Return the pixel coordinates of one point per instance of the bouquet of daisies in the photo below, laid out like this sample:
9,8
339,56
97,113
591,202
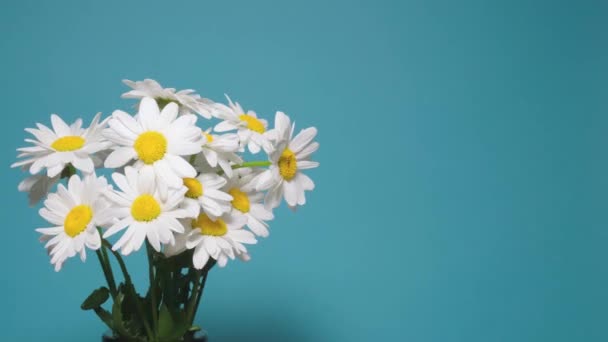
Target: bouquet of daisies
182,192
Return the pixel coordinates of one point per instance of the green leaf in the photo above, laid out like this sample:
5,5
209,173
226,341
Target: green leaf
132,321
171,327
105,316
117,318
96,299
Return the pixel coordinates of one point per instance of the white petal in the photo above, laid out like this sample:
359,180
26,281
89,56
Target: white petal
307,151
120,157
153,238
181,167
84,164
307,164
273,196
118,226
169,113
258,227
149,113
282,125
59,126
291,193
200,257
302,139
146,181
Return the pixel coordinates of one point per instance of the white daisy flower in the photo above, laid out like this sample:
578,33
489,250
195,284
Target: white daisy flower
248,202
284,177
37,186
250,128
189,103
220,239
63,145
157,140
219,150
75,213
204,192
180,246
140,208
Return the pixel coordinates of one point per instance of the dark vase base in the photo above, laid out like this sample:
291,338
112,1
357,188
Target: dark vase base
199,336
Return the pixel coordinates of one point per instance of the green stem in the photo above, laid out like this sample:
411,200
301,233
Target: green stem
152,284
193,295
107,272
198,297
256,163
121,262
199,292
129,285
109,267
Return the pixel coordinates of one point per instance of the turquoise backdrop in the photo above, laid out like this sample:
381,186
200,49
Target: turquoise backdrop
463,187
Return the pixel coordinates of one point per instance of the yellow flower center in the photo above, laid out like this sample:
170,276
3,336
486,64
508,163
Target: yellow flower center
150,146
195,188
288,164
253,123
68,143
209,227
145,208
240,201
77,220
208,136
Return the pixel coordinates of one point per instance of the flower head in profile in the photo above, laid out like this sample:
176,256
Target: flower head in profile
219,150
250,129
187,100
75,212
220,239
156,140
247,202
141,209
53,149
284,177
204,193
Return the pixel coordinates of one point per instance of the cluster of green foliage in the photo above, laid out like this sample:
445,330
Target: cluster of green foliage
166,313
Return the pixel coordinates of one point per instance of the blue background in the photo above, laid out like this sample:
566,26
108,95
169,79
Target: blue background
462,193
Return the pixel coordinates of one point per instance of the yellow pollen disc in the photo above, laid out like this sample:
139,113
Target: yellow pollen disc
145,208
195,188
240,200
77,220
209,227
253,123
68,143
208,136
287,164
150,146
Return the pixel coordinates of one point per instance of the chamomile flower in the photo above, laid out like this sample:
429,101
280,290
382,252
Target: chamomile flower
188,102
247,202
204,192
37,186
284,177
156,140
63,145
75,212
219,239
140,208
220,150
250,128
